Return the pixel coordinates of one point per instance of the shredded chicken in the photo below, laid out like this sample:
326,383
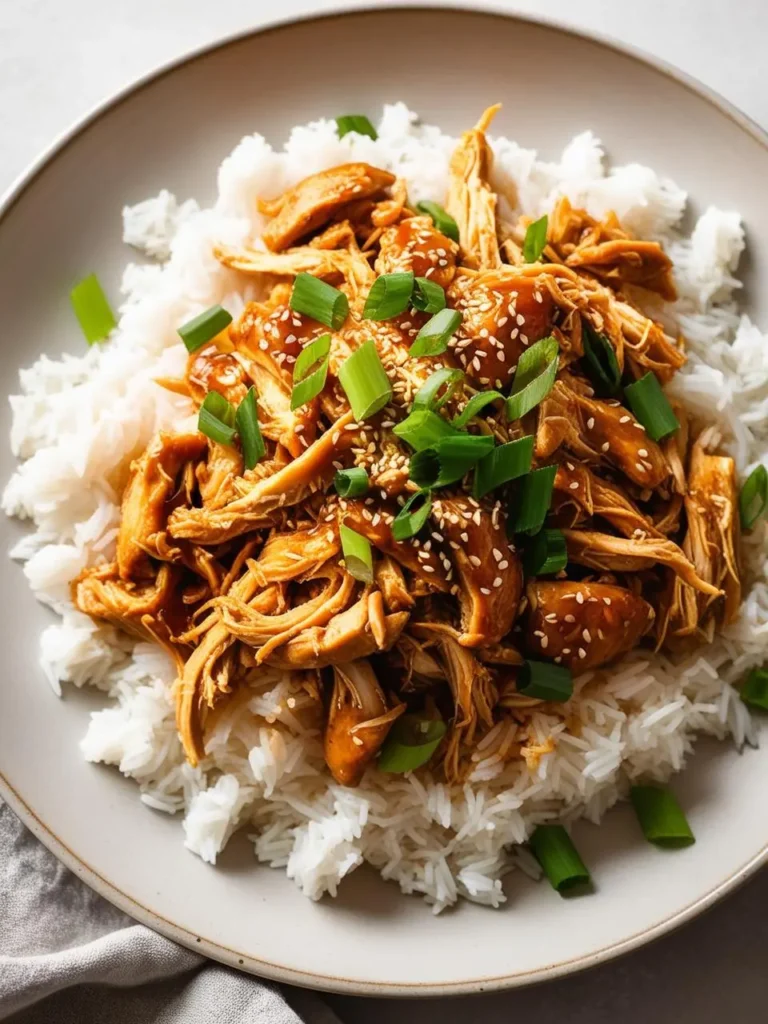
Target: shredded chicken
240,570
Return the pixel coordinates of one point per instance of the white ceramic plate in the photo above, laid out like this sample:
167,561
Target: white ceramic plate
63,219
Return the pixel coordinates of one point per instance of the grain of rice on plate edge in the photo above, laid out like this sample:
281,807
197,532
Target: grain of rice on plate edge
453,827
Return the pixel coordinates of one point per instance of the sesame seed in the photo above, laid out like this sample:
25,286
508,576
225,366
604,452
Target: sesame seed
574,486
465,537
552,617
498,581
475,561
607,600
624,419
570,618
566,650
590,422
544,642
558,659
579,598
357,741
586,635
496,554
605,446
428,568
640,467
504,564
538,632
486,591
582,653
643,453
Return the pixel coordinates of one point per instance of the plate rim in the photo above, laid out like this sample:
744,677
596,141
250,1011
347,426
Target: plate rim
89,874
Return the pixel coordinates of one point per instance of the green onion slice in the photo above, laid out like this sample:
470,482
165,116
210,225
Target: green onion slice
411,742
545,554
310,371
408,522
535,239
533,500
753,498
247,423
203,328
216,418
449,460
534,377
390,295
319,300
428,297
355,123
433,338
602,365
651,406
92,309
365,381
423,429
559,859
358,557
437,389
546,681
754,690
351,483
474,407
506,462
442,220
661,817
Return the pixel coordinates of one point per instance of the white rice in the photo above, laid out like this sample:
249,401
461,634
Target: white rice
78,416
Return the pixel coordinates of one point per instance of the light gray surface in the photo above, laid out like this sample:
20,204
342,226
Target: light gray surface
58,59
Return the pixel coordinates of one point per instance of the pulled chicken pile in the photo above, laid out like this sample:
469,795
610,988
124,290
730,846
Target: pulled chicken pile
515,568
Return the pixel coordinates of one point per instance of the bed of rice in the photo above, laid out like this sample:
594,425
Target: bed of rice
78,416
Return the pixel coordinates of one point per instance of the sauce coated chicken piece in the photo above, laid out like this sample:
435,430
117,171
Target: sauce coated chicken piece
471,201
503,313
316,199
425,560
359,719
209,369
712,542
578,488
416,245
145,506
595,429
583,625
102,594
490,575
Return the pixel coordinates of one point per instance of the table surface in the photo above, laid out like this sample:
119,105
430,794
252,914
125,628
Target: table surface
59,59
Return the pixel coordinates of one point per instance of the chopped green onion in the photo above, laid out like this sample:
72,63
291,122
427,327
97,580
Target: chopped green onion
423,429
506,462
365,381
534,377
602,365
390,295
559,859
545,554
203,328
411,742
449,460
535,239
651,406
319,300
428,297
408,523
247,423
351,483
432,339
533,500
753,498
310,371
92,309
355,123
442,220
358,557
474,407
661,817
216,418
431,394
754,690
546,681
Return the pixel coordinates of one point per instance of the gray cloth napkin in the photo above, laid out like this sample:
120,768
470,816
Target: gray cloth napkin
66,955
